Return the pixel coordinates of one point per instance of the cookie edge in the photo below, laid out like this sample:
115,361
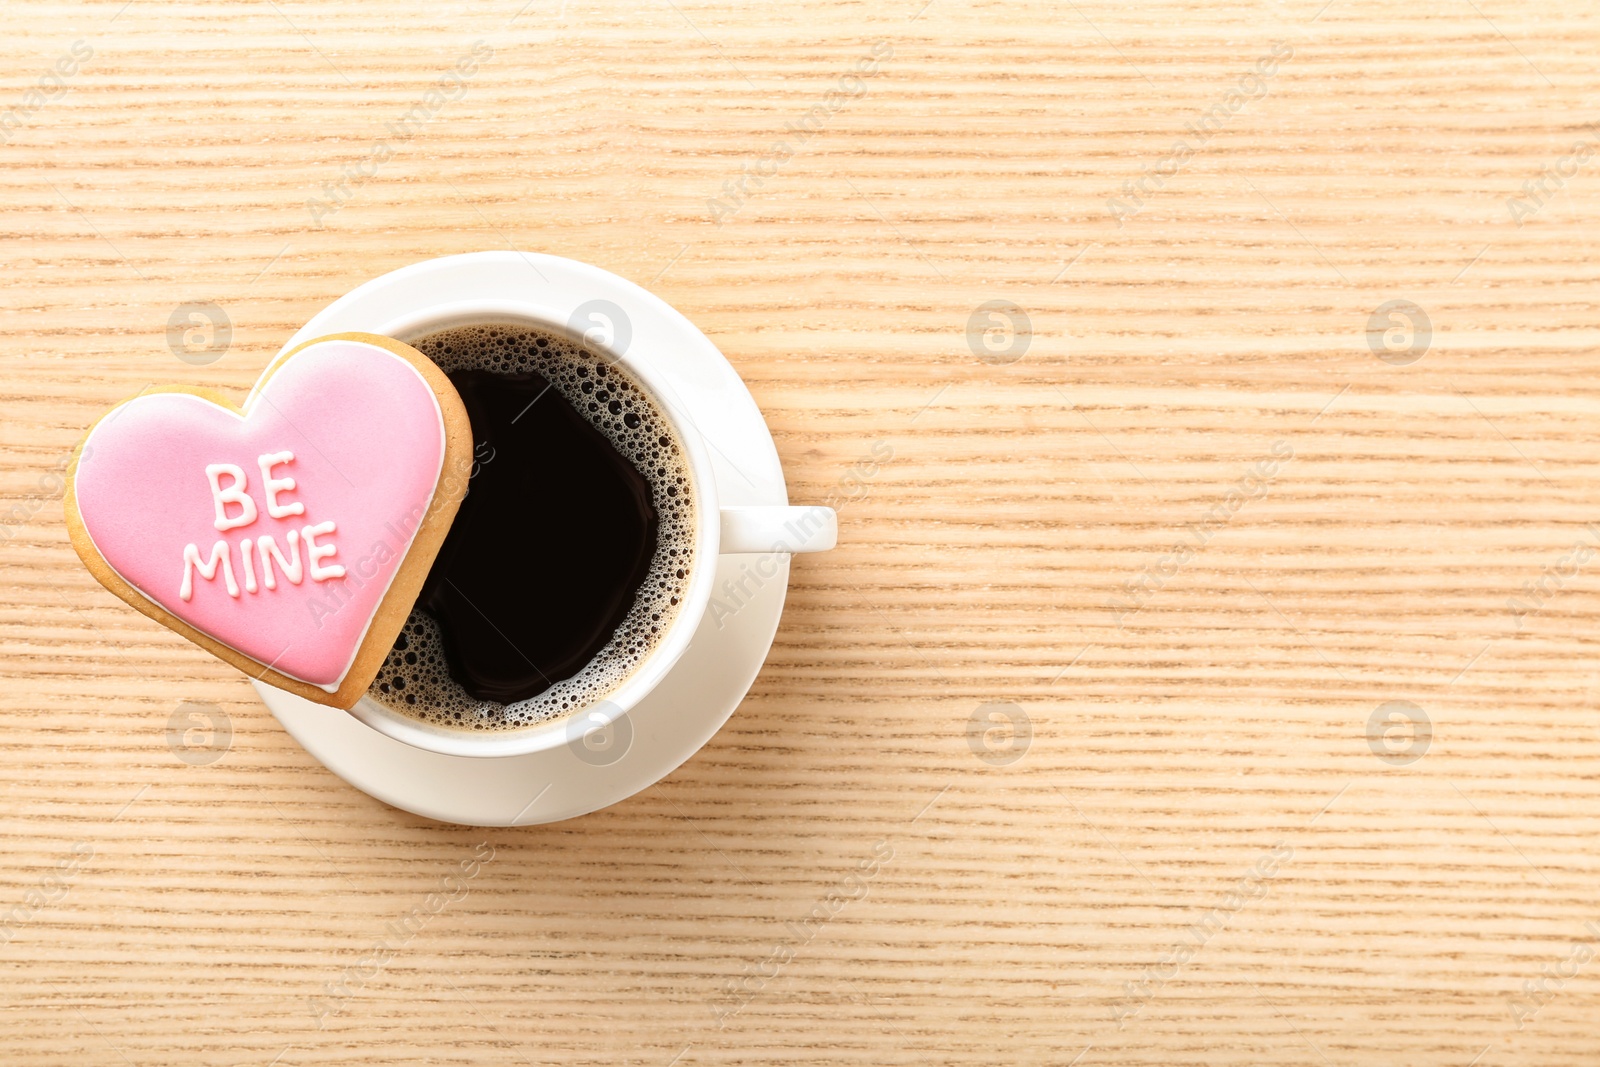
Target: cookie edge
395,607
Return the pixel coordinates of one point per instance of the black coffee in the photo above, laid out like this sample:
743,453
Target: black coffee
555,474
568,558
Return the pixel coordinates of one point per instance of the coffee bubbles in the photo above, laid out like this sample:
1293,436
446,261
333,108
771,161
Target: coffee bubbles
563,575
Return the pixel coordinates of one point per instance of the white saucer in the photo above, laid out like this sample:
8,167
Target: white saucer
703,688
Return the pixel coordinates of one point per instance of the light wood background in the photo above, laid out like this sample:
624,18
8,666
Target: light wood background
1217,738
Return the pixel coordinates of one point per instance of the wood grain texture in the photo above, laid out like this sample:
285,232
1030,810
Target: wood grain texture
1200,856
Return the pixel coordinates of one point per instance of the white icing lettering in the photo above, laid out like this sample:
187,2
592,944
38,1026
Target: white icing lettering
315,552
249,565
233,494
273,486
230,486
291,567
220,553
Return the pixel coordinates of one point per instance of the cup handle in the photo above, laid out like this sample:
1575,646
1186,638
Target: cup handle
779,529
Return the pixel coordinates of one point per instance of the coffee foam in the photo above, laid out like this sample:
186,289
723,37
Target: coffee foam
414,679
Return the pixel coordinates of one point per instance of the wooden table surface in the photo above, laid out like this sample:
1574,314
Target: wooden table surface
1202,676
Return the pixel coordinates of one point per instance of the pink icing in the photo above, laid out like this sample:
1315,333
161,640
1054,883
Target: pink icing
367,437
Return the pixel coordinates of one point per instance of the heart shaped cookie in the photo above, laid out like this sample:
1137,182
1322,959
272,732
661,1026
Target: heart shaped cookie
289,536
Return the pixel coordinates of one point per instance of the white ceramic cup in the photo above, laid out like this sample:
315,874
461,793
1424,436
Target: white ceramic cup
719,529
